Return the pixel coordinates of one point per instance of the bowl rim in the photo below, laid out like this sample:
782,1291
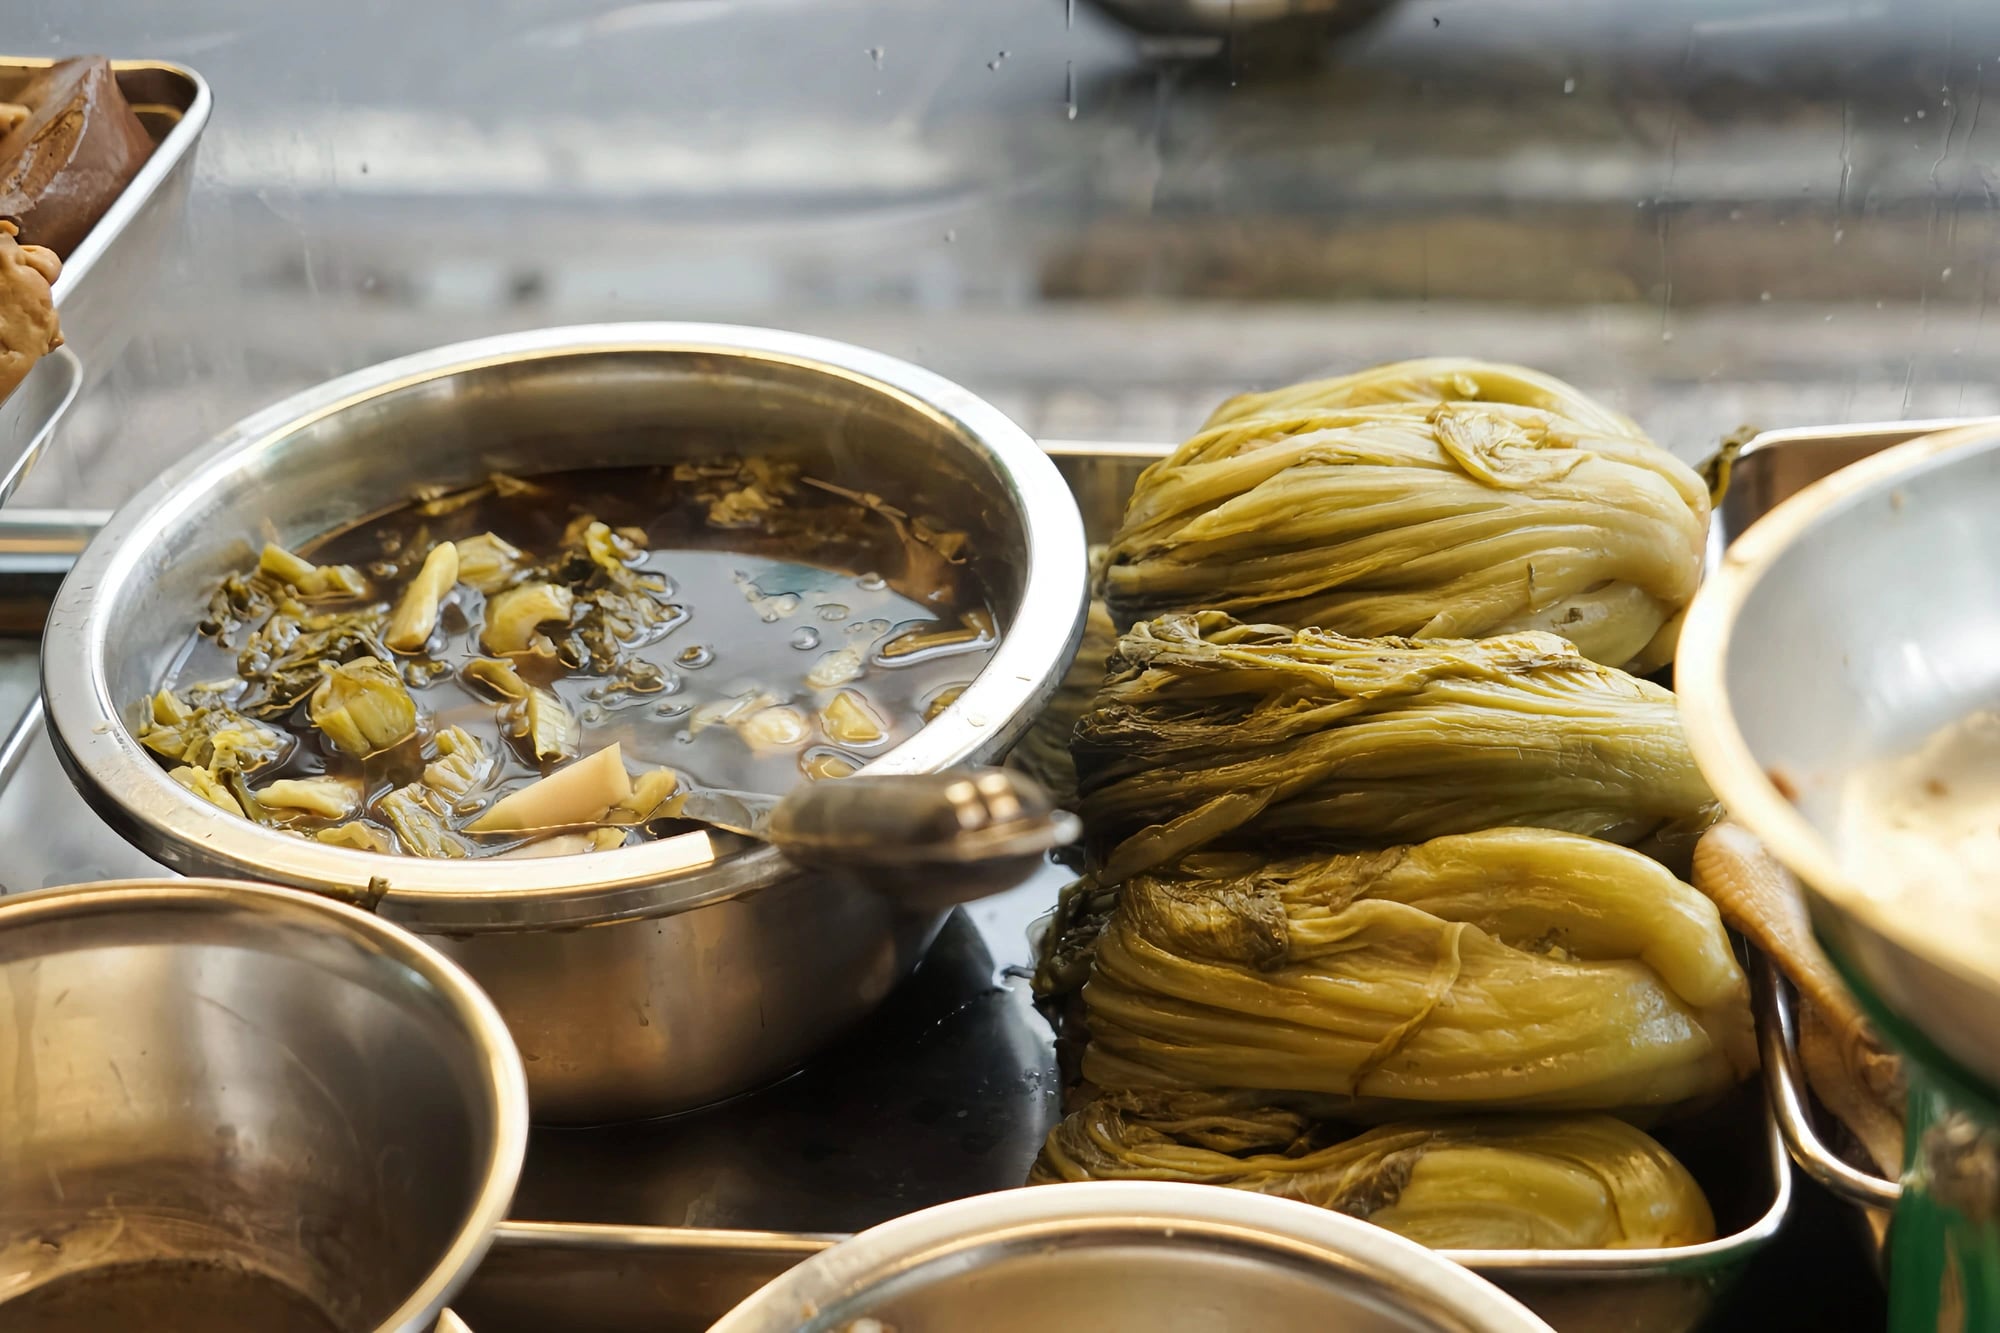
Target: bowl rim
1708,716
1113,1211
504,1077
133,793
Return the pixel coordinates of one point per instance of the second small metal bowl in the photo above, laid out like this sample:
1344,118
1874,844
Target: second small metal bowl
245,1103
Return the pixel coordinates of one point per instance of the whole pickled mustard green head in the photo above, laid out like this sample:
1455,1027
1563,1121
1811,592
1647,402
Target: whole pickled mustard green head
1571,1182
1212,732
1430,499
1513,969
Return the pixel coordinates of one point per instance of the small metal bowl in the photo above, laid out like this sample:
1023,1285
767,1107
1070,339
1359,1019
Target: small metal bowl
209,1079
1129,1257
1845,626
700,976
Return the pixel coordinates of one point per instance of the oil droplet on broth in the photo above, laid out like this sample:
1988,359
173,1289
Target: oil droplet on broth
806,639
830,611
695,656
870,583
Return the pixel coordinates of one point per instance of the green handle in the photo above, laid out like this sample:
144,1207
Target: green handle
1944,1246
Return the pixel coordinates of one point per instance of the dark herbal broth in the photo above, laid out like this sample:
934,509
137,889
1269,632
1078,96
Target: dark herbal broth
795,639
165,1297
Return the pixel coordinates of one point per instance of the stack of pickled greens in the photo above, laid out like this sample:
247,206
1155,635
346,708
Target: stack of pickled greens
1433,499
1404,850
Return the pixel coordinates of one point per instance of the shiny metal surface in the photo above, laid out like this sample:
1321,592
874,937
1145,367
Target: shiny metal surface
1865,598
103,279
701,977
1129,1257
1773,467
209,1073
1777,1045
927,840
30,414
613,1279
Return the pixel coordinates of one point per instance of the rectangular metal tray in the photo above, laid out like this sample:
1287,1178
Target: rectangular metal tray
112,266
947,1092
114,263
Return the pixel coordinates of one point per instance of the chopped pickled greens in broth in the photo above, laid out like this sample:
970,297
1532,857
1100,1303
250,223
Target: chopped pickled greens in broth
533,667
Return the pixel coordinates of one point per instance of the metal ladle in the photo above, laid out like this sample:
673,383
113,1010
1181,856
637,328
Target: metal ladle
930,840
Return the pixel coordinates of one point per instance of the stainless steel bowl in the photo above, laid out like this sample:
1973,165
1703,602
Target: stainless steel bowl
1845,626
207,1079
697,978
1128,1257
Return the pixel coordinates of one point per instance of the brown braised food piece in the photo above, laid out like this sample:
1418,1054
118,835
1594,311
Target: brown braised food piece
28,328
1853,1074
79,146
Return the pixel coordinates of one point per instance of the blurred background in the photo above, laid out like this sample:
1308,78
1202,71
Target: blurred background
1714,212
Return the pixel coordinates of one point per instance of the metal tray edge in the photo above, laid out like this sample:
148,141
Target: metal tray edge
165,160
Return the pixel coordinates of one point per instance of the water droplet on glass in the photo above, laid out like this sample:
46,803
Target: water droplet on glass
875,54
994,64
1763,296
696,656
1569,86
875,582
950,235
830,611
805,638
1069,89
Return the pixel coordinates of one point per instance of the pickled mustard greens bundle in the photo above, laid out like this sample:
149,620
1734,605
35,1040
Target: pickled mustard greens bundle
534,667
1515,969
1435,499
1576,1182
1212,732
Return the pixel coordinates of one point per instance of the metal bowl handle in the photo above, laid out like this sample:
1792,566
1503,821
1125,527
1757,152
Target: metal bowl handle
1778,1045
928,840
